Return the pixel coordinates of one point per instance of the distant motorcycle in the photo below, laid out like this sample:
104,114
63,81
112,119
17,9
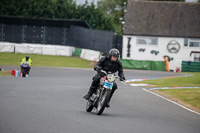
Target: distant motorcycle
100,98
25,67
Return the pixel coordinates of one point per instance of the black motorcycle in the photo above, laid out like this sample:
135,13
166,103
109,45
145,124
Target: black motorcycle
25,67
101,97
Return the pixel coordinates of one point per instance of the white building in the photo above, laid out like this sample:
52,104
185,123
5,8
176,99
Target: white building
155,29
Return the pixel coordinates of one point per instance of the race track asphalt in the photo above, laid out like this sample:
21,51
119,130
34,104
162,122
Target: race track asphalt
50,101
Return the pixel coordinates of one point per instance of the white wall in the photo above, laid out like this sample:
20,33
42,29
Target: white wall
91,55
183,54
87,54
36,49
7,47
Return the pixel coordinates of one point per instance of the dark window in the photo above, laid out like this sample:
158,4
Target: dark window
185,41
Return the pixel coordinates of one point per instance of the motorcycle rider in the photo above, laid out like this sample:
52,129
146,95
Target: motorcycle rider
29,61
108,63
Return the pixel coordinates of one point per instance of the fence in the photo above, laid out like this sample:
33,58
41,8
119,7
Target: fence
74,33
143,65
188,66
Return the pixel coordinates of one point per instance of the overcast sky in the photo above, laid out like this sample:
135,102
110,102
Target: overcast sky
83,1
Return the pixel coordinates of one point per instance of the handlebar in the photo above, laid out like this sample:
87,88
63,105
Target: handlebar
120,78
115,76
104,72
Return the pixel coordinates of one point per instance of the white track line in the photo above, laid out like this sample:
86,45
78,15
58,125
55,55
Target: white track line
171,101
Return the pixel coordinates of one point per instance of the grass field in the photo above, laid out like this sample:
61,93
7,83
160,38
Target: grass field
45,60
190,81
5,73
191,96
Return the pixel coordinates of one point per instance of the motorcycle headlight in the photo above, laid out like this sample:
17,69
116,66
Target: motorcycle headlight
111,77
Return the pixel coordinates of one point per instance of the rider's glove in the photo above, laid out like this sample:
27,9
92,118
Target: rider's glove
98,68
122,78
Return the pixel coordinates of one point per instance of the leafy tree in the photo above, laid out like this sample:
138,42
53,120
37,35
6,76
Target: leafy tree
65,9
94,16
27,8
170,0
58,9
115,10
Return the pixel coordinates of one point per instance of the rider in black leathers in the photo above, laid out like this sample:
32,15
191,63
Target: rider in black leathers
108,63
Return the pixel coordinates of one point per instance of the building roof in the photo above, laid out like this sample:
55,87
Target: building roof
169,19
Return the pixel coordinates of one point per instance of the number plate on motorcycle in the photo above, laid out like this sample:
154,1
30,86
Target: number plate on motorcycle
108,85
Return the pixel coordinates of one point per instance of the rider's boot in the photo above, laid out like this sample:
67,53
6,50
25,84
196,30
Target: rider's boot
90,92
108,104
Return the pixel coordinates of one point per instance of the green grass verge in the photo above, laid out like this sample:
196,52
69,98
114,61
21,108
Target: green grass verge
5,73
190,81
189,96
45,60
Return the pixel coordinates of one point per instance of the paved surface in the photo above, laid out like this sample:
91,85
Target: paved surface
50,101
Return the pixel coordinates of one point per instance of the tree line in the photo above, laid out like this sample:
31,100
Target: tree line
96,16
106,15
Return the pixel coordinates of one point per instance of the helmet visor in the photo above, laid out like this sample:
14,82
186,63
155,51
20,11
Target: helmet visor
116,55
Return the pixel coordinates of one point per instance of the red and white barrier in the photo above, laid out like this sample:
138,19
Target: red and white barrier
16,73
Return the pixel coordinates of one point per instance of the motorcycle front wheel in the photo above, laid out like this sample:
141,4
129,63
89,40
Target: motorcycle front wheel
23,72
103,100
